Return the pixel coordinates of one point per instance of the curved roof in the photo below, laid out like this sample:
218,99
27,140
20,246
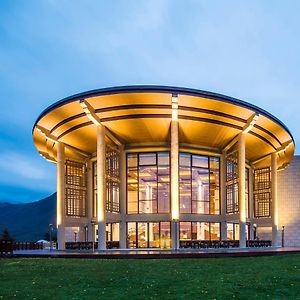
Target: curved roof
142,114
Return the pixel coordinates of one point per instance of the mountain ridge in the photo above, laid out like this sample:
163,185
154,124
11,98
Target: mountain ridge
28,221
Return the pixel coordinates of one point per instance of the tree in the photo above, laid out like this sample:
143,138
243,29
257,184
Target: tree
47,236
6,236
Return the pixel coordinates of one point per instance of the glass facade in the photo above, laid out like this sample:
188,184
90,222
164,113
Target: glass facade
199,184
113,232
148,183
233,231
199,231
148,235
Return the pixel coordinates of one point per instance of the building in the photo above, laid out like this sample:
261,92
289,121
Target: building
150,166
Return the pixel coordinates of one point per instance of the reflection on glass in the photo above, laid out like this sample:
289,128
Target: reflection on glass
230,232
185,230
214,185
199,184
150,235
113,232
131,235
199,231
132,184
165,235
215,231
236,231
148,183
147,189
147,159
154,241
142,235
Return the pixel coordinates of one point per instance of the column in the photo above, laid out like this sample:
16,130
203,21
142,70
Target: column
90,199
223,168
101,219
241,188
174,174
60,203
251,203
274,199
123,197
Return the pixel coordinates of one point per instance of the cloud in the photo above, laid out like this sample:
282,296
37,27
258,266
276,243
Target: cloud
20,171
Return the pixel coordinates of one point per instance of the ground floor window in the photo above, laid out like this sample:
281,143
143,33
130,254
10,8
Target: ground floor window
148,235
199,231
233,231
113,232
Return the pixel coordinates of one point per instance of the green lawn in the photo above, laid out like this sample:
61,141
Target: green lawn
273,277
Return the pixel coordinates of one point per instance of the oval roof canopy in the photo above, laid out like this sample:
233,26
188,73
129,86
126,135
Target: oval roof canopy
142,115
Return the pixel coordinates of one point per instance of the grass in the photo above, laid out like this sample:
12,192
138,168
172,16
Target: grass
272,277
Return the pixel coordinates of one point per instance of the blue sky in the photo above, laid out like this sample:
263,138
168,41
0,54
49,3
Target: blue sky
53,49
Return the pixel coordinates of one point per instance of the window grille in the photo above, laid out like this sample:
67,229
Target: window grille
232,197
262,193
75,189
112,181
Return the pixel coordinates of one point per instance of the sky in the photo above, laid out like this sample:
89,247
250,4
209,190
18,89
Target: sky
51,49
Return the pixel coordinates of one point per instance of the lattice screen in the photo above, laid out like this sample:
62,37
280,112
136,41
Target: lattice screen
262,193
112,178
75,189
232,197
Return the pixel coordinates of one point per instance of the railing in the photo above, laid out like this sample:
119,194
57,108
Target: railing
89,245
223,244
27,246
6,248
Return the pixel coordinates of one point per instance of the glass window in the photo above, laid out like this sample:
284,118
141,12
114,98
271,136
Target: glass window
150,235
142,235
148,184
147,190
215,231
199,184
163,158
185,230
154,238
115,229
236,231
165,234
214,185
132,160
200,161
147,159
199,231
131,235
185,160
185,189
230,232
200,191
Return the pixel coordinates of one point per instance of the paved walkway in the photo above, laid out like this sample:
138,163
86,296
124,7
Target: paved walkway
158,253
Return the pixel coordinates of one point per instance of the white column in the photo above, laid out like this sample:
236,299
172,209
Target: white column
90,198
251,203
241,185
60,204
274,199
101,203
174,174
123,197
223,196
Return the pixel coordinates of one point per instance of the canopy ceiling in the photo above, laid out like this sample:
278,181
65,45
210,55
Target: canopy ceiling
142,115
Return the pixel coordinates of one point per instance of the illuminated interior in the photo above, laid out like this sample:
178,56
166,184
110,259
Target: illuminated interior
176,166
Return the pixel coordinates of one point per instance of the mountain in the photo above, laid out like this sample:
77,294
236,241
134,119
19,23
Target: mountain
28,221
